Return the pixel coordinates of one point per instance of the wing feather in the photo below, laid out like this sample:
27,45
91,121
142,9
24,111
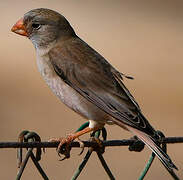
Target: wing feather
96,80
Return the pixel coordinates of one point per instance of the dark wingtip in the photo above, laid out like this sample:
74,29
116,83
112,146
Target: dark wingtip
126,76
129,77
175,167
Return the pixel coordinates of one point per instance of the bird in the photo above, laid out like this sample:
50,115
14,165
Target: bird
84,80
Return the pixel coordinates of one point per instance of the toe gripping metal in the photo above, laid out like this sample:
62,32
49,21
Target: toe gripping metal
64,147
99,149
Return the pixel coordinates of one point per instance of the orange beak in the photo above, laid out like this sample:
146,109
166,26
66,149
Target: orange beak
19,28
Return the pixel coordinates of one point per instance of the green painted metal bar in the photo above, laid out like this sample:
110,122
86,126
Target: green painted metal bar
148,165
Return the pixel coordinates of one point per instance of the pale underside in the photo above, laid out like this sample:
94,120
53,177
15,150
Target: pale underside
70,97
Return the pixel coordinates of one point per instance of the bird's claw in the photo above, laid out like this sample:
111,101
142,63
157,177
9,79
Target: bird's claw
64,146
82,146
99,147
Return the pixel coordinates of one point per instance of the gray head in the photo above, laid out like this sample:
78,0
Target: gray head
43,26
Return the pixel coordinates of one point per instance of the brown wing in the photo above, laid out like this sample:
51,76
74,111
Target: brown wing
93,77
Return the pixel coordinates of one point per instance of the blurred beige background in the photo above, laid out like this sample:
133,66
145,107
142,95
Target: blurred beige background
141,38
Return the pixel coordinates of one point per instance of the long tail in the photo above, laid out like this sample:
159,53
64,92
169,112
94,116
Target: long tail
163,157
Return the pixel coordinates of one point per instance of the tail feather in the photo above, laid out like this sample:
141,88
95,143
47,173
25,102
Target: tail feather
163,157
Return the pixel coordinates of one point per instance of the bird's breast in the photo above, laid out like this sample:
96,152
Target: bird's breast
68,95
65,93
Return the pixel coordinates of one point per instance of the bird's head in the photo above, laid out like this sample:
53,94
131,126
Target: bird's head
43,26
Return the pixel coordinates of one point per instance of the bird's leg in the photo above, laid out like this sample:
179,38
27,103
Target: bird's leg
64,143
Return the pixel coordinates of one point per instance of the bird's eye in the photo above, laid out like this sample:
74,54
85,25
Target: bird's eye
36,26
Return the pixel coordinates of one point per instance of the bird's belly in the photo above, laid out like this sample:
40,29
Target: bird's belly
69,96
75,101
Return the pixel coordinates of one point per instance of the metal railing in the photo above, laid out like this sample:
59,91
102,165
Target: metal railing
31,140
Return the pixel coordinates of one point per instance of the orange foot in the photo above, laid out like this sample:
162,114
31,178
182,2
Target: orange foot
64,143
64,146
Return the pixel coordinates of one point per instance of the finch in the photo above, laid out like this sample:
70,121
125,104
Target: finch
84,80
